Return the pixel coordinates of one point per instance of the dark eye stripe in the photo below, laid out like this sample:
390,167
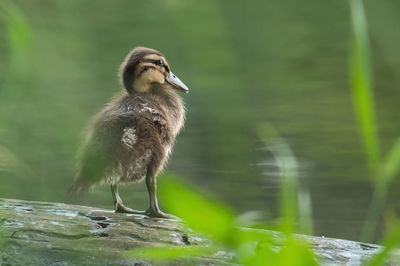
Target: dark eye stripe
145,68
157,63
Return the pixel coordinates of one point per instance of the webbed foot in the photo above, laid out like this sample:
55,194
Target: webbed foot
123,209
159,214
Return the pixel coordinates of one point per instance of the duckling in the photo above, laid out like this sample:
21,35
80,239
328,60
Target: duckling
131,139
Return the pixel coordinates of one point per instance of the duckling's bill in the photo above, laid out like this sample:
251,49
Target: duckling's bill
177,83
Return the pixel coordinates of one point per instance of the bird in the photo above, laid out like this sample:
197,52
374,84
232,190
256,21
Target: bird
130,140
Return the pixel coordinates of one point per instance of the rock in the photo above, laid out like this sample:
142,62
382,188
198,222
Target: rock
44,233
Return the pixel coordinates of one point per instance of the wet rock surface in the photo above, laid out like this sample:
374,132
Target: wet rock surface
44,233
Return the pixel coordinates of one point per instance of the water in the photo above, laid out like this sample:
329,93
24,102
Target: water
281,62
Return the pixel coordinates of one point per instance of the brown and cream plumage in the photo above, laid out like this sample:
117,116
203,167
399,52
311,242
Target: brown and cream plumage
131,138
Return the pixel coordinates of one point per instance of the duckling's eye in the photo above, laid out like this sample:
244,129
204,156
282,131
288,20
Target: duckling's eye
159,63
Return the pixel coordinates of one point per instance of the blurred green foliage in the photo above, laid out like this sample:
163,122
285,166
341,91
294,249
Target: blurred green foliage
18,36
390,242
294,202
214,220
205,216
361,79
18,39
381,171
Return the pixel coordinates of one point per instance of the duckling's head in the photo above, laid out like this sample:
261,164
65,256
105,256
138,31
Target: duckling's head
143,68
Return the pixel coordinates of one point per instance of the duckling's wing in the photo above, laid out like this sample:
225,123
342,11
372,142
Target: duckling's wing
100,148
94,161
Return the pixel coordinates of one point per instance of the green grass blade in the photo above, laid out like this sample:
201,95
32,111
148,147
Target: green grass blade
288,165
361,86
19,34
374,212
363,101
391,242
391,165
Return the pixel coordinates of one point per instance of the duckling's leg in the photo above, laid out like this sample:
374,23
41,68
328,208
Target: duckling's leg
118,205
154,210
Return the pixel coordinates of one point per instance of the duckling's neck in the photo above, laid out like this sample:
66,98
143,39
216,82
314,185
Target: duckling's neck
142,85
162,95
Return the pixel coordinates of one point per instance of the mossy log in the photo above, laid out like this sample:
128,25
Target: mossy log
44,233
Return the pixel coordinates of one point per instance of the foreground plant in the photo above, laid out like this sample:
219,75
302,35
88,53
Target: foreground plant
216,221
382,171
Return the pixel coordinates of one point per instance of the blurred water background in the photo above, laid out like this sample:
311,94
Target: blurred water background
245,62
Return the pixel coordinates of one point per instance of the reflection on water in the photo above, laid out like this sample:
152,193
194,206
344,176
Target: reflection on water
278,62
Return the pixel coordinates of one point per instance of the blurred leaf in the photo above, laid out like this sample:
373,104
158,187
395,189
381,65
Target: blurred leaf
253,247
391,241
288,165
203,215
19,35
294,252
249,240
246,235
391,165
256,253
363,101
163,254
361,85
